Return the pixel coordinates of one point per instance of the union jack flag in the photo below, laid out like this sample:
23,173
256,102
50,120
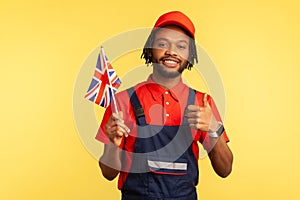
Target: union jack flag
105,82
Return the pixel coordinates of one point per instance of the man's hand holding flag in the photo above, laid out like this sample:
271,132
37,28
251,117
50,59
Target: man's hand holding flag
102,89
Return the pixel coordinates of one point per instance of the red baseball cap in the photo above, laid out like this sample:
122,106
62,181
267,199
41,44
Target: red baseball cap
176,18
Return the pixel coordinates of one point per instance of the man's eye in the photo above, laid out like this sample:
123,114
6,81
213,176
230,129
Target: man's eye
162,44
181,47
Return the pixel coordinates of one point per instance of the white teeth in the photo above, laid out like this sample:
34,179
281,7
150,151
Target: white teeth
170,62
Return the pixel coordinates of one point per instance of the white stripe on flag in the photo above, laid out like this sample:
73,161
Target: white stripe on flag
92,92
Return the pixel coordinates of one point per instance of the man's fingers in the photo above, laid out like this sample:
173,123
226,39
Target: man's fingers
202,127
118,127
120,113
193,114
117,116
193,108
118,119
119,133
196,121
192,111
123,126
193,120
115,135
205,102
199,117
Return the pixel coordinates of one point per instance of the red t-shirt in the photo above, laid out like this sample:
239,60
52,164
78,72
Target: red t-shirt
161,107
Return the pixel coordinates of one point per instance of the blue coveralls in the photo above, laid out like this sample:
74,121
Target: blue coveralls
164,166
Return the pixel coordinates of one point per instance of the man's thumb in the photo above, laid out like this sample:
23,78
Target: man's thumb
120,113
205,102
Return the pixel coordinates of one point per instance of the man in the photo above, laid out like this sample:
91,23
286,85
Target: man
152,143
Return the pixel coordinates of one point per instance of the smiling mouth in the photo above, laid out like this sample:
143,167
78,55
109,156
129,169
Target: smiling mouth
170,62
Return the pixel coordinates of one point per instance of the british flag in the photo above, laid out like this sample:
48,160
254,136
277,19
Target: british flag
105,82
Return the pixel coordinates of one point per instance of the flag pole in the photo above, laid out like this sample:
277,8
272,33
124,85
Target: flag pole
106,66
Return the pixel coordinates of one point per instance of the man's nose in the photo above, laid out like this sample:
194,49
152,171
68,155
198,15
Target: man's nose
171,50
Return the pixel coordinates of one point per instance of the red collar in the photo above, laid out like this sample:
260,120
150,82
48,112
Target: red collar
157,90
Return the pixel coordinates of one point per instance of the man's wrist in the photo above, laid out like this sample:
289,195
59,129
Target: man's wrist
218,131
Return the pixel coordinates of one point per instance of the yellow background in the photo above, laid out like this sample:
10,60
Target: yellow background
254,44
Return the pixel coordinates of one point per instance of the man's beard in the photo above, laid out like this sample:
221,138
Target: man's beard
167,74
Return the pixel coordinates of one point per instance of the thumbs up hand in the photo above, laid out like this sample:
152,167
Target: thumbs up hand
201,118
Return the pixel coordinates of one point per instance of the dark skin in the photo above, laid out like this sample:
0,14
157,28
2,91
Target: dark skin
170,53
